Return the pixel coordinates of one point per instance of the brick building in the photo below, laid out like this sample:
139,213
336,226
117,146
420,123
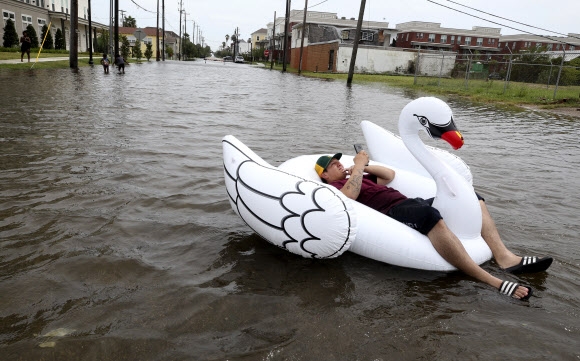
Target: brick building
431,36
522,42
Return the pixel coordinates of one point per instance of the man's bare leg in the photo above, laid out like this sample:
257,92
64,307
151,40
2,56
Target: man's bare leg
451,249
503,256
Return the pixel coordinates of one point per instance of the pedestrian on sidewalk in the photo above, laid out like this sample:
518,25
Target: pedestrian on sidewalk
25,44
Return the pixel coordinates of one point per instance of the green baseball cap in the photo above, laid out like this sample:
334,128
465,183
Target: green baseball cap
324,161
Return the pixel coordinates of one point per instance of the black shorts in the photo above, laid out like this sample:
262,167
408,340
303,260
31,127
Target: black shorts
418,213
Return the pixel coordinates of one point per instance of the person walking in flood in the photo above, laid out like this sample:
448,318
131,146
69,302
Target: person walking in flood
120,62
105,63
25,44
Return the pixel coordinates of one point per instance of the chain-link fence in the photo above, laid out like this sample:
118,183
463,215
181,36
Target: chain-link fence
543,71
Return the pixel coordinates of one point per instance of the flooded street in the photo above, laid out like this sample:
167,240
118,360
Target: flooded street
118,242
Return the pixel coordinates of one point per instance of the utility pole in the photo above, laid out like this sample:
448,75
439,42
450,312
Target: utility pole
111,22
90,36
180,39
302,41
157,34
122,17
163,25
356,40
286,34
116,37
273,42
184,25
74,38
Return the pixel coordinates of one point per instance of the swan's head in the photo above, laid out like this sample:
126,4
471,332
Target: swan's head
432,115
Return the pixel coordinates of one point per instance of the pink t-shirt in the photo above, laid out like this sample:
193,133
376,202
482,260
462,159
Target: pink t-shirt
376,196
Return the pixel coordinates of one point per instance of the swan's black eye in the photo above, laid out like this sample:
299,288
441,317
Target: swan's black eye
422,119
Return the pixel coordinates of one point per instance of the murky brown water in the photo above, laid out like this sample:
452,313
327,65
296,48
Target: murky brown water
117,241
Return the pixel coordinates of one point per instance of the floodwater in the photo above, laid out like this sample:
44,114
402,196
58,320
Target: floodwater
118,242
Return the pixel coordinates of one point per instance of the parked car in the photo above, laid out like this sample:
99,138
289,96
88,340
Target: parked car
228,58
239,59
495,76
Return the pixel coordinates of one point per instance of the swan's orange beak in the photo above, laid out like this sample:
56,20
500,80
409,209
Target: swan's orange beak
454,138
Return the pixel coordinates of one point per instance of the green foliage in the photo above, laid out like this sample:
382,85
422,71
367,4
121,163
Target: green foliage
148,51
10,37
48,43
169,51
130,22
125,47
59,42
33,36
102,45
137,53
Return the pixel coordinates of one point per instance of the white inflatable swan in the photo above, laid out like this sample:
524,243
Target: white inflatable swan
290,207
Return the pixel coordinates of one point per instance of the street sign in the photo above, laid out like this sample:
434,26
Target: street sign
139,34
266,53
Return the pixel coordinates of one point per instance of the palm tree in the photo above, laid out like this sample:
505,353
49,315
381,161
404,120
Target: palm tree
227,38
130,22
223,45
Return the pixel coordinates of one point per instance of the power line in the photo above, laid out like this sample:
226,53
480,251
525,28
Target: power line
142,8
513,21
322,2
507,26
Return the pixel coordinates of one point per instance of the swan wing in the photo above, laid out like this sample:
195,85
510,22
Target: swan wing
305,217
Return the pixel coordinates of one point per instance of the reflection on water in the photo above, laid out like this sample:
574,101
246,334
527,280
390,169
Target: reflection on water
118,241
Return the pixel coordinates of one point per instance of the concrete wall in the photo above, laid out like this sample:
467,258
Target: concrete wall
377,60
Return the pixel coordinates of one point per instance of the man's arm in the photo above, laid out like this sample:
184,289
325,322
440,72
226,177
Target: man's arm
352,187
384,175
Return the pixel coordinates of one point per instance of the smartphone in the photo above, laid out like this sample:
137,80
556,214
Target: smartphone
358,148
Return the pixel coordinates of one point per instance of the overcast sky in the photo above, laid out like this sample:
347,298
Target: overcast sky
216,18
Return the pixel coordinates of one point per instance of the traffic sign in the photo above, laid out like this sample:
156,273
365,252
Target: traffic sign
139,34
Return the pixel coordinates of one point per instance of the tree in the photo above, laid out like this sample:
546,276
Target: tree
227,38
10,37
169,51
148,51
103,42
59,42
125,47
137,53
32,35
48,43
130,22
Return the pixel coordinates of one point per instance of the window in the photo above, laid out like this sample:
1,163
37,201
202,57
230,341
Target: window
257,37
344,34
514,46
431,38
8,15
572,47
85,12
26,20
468,40
419,35
444,38
407,37
452,39
550,46
41,23
491,41
458,40
479,42
367,36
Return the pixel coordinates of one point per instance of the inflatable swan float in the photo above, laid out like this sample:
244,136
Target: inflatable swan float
291,208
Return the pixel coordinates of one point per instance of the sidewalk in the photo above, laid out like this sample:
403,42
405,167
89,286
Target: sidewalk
33,59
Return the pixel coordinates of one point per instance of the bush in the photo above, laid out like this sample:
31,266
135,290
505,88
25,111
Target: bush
48,43
10,38
59,42
33,36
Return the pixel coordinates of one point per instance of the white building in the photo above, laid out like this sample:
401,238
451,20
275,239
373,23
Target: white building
54,12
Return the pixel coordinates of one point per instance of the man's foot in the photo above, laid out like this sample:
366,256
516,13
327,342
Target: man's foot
531,264
514,290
